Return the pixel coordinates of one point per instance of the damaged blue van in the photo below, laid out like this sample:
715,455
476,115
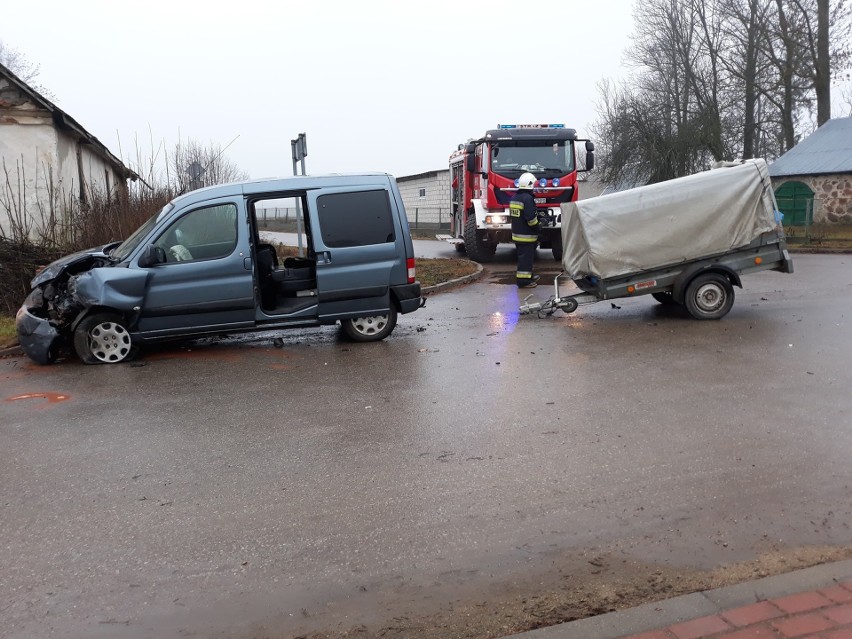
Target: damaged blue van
200,266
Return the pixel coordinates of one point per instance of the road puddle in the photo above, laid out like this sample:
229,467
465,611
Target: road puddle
52,398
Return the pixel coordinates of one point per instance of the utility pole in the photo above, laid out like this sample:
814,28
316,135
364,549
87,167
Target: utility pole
299,150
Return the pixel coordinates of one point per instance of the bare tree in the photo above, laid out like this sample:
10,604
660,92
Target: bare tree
720,79
669,120
27,71
192,165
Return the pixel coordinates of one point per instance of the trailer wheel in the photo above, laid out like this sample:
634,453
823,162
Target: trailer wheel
556,247
476,247
709,296
664,297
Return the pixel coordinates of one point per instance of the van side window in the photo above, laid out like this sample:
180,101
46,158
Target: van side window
202,234
355,219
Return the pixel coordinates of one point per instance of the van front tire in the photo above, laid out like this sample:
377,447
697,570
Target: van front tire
103,338
369,329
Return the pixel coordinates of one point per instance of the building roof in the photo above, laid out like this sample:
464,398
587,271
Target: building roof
421,176
826,150
65,122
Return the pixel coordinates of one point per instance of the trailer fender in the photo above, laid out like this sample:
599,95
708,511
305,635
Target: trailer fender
689,274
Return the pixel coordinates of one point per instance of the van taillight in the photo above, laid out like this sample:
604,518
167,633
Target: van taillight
410,264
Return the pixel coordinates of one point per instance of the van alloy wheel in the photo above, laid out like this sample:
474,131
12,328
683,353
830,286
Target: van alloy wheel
102,339
370,328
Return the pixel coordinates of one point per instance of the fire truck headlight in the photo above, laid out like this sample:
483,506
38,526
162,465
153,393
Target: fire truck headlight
495,219
542,182
555,181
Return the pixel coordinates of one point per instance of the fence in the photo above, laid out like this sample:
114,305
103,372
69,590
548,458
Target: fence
833,230
267,216
428,217
419,217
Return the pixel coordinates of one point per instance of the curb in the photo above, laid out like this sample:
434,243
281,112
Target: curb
455,282
661,614
808,250
12,351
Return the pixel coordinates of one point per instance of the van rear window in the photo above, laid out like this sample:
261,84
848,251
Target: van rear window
355,219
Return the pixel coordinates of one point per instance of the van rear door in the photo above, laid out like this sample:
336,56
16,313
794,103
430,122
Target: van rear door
359,247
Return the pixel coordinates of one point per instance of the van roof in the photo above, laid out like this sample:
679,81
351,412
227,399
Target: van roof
289,183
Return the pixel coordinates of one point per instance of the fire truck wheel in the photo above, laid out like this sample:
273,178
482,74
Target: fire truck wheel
460,247
476,247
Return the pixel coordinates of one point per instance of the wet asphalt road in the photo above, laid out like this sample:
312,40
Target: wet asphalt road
237,487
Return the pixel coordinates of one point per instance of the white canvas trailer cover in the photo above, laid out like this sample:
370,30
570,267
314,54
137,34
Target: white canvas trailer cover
668,223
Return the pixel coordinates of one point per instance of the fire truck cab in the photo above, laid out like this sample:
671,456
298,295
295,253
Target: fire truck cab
484,176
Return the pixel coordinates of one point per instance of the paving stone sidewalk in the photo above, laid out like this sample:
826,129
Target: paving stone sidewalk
814,603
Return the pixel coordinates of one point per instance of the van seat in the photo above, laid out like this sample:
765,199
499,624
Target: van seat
297,274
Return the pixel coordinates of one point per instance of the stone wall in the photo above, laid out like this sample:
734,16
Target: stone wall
832,196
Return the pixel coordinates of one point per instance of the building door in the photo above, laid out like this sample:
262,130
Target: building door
796,201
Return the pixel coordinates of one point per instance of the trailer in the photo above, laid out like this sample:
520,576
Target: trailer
686,241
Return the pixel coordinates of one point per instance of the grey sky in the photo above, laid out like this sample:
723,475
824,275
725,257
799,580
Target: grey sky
376,85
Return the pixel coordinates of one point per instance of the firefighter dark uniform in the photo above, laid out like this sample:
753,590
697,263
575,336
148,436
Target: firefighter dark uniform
525,235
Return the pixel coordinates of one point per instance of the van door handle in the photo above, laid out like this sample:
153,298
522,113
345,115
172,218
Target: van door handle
247,263
324,257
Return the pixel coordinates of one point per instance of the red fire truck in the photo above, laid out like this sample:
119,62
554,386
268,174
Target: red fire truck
484,175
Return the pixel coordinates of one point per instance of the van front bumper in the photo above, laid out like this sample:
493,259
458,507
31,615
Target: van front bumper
408,297
38,338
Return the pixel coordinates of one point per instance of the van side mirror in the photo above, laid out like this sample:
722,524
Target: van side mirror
151,256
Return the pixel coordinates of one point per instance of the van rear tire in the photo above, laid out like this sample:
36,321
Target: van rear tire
372,328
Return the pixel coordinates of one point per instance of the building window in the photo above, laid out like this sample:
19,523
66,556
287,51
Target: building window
422,192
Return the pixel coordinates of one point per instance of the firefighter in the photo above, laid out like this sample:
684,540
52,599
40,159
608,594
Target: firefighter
525,230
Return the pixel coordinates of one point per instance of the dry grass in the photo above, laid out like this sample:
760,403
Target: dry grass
430,271
435,271
7,332
820,236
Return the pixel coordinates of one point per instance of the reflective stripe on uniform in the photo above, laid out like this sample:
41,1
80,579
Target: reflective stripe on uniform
524,238
533,222
524,275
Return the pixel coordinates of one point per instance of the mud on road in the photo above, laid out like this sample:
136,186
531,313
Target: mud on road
575,588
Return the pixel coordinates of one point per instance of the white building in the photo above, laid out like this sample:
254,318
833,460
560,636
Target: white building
48,162
426,197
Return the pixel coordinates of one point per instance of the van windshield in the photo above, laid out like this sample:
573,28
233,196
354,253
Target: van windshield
129,245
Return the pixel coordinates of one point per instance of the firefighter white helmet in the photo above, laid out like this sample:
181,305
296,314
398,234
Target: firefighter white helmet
526,181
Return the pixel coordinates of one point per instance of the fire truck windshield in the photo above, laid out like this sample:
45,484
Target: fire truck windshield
543,158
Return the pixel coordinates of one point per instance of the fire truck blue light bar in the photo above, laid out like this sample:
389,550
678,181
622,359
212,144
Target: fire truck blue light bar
530,126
